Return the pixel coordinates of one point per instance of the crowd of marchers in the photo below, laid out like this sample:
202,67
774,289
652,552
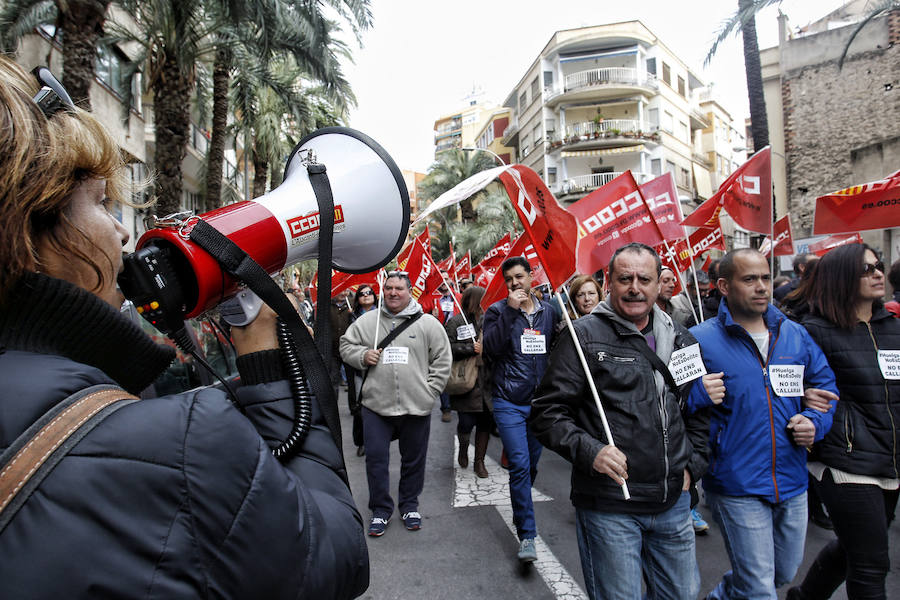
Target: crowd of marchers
777,409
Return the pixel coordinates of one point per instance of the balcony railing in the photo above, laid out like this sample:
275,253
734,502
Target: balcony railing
583,183
613,126
609,76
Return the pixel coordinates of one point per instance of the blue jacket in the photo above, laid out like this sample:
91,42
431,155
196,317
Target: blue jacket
516,375
752,453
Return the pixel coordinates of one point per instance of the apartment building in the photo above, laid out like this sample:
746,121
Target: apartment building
460,128
600,100
490,136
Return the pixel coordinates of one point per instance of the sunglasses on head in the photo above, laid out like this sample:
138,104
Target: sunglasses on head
52,97
870,268
397,274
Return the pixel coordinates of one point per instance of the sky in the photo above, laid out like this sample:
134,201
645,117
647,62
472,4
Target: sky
422,58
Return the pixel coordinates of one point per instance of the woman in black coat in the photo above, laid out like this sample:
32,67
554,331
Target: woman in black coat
473,406
856,462
171,497
363,302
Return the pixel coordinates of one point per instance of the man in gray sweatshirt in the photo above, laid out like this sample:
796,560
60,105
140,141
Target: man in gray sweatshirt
402,380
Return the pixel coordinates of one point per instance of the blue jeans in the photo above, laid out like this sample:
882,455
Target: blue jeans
764,541
523,452
617,548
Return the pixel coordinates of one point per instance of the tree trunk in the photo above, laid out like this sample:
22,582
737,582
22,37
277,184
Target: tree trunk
260,173
81,25
759,123
171,110
216,153
467,212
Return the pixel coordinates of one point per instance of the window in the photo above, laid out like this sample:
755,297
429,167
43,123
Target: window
523,101
535,90
684,132
681,88
654,118
670,167
112,65
684,177
551,175
656,166
548,79
651,65
668,122
525,146
536,134
550,128
667,74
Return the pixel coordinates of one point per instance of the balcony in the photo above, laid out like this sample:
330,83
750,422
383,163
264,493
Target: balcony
606,133
582,184
511,133
602,82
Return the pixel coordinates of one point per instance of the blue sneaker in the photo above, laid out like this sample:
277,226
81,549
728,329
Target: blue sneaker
412,520
377,526
700,526
527,552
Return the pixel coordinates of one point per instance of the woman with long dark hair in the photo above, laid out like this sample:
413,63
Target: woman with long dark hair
856,463
474,406
363,302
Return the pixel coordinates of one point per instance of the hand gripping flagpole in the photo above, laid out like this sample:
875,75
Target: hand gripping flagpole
590,380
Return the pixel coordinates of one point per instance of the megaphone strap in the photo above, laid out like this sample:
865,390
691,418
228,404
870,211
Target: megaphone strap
239,264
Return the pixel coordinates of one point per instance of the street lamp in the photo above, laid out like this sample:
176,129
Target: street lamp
491,152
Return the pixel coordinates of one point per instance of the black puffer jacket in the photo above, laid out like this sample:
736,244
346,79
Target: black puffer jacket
657,438
172,497
864,435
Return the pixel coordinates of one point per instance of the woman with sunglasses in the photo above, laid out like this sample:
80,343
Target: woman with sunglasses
363,302
172,497
856,463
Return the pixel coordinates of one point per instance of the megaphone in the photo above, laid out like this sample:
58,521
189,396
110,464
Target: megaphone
371,221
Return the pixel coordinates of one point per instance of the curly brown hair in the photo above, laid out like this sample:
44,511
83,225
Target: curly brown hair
44,160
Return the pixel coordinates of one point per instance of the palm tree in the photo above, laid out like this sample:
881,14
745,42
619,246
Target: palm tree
450,168
79,26
270,31
495,217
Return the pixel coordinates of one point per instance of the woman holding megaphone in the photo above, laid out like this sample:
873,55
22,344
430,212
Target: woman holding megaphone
106,495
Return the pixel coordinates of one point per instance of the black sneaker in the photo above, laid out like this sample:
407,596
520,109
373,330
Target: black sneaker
377,526
412,520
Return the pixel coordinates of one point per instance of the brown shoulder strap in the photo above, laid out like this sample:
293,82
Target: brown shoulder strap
34,454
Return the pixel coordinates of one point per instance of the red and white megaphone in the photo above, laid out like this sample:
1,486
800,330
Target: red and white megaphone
371,220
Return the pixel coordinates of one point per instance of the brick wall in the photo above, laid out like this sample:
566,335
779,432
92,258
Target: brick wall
829,113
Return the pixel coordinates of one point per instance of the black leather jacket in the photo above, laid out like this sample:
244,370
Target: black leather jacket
655,435
864,435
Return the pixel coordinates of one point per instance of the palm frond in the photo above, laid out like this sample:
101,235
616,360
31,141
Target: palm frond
735,23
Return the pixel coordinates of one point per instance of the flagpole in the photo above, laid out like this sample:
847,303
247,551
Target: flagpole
681,279
772,235
381,281
590,380
687,243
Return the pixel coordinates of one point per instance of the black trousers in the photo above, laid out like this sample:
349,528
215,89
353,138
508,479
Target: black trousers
861,515
482,422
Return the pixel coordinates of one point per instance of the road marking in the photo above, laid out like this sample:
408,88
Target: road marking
471,490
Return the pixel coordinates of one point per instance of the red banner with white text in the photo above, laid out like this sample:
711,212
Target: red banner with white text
495,255
873,205
496,289
784,240
662,200
822,247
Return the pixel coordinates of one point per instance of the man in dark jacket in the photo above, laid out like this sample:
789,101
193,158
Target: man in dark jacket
658,451
762,365
518,333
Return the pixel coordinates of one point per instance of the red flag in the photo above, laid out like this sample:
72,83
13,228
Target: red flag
705,267
446,264
610,217
496,254
822,247
423,273
784,240
425,239
496,289
873,205
676,257
746,195
662,199
550,228
464,266
701,241
481,276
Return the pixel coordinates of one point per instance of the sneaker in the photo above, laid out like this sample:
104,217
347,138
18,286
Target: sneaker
700,526
377,526
412,520
446,417
527,551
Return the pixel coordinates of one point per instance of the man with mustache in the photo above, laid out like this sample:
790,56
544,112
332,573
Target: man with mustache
628,341
763,366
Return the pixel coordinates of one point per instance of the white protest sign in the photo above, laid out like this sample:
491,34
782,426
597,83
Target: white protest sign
447,305
889,361
395,355
687,364
465,332
787,380
534,344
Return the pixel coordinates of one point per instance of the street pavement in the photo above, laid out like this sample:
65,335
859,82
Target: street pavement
467,545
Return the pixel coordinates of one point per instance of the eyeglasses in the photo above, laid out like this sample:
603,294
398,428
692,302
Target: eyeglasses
52,97
870,268
367,293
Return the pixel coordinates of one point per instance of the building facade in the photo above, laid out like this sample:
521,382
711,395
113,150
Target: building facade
601,100
832,128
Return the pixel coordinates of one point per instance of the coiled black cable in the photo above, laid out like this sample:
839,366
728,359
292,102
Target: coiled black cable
299,391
